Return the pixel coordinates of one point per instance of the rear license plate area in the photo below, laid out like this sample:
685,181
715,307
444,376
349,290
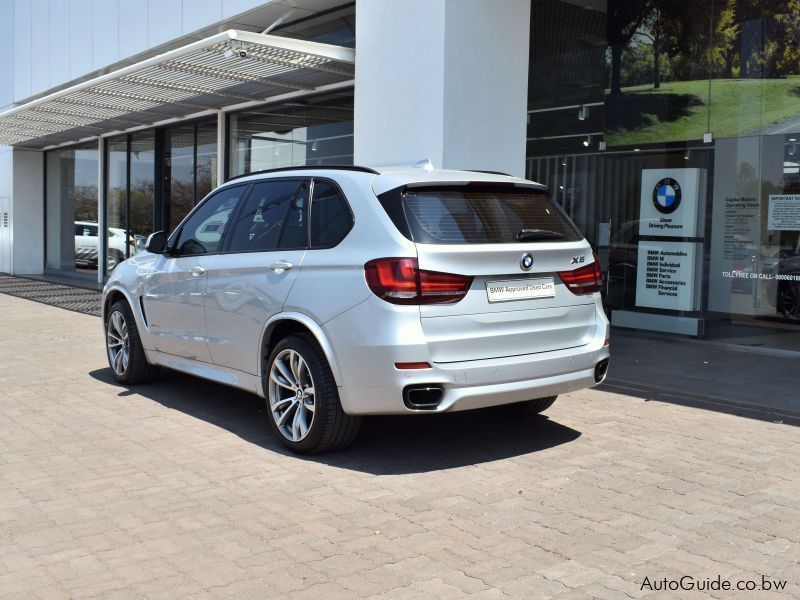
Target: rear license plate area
520,289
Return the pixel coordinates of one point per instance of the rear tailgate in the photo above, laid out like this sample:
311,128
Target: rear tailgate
477,328
492,233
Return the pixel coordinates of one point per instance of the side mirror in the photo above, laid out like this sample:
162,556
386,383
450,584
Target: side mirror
157,243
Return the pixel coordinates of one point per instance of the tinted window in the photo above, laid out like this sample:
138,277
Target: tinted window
274,216
331,218
481,216
203,231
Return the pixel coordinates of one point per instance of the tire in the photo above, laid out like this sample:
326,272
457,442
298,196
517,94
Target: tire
306,423
528,408
124,347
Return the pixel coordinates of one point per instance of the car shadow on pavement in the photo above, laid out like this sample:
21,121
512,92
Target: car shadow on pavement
386,445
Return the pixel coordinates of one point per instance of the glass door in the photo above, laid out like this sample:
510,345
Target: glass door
72,244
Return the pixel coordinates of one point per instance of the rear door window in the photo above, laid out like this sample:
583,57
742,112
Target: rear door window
274,216
478,215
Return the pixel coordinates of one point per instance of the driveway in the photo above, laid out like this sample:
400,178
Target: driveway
178,489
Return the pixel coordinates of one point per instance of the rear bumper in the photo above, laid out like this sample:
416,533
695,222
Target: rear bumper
372,385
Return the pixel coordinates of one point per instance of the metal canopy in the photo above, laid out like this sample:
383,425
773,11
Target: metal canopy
226,69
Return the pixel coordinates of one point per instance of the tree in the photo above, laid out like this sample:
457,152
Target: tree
702,35
757,33
625,18
658,32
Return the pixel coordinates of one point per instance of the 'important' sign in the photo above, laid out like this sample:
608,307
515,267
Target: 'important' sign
784,212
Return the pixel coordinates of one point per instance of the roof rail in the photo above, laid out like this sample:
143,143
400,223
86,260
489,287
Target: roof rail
309,168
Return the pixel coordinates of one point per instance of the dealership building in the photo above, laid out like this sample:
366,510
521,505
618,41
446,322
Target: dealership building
670,139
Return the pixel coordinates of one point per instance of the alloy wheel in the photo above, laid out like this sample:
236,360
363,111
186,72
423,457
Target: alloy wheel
117,342
291,395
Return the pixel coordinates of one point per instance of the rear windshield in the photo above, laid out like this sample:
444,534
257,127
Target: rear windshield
484,215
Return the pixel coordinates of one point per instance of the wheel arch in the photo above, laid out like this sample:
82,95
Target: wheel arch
117,293
285,324
112,296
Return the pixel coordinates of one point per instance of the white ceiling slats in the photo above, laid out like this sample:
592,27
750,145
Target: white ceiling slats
226,69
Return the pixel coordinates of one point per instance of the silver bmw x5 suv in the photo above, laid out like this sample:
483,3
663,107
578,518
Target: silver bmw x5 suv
337,292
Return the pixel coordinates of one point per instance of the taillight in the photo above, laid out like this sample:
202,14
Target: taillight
401,281
586,280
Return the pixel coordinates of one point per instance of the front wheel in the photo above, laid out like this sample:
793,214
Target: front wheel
124,347
303,401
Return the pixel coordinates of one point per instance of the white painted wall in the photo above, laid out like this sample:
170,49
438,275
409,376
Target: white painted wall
52,42
7,51
399,94
486,84
5,206
27,209
442,79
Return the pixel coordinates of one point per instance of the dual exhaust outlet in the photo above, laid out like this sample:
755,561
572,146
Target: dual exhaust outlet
428,396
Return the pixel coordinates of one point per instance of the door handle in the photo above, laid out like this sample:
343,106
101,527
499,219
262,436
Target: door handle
197,271
281,266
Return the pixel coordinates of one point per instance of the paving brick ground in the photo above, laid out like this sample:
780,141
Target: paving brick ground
177,489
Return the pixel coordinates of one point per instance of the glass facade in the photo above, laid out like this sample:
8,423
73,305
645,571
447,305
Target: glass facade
116,201
179,168
668,131
142,189
312,131
189,168
71,223
153,179
205,170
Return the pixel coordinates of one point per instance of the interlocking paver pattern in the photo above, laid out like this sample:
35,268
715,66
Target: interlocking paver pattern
178,489
47,292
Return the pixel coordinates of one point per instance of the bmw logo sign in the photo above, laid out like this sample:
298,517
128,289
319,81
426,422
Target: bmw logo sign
526,262
667,195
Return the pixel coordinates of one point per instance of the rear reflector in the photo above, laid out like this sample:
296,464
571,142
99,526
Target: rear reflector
401,281
586,280
412,365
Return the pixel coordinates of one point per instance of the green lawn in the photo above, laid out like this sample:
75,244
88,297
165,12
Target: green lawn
738,107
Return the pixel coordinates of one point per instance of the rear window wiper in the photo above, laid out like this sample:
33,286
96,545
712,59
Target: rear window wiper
528,235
